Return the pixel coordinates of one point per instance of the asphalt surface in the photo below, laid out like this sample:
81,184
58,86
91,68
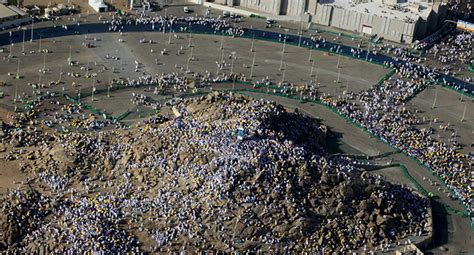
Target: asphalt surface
91,28
455,238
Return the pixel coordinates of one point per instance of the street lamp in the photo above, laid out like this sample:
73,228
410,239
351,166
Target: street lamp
232,69
32,27
253,64
283,50
23,43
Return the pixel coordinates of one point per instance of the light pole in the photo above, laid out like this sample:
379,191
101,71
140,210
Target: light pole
16,93
338,75
44,63
32,27
10,51
253,42
189,60
310,53
436,97
39,50
283,50
93,89
232,64
283,76
232,70
18,70
222,57
368,50
253,64
23,43
301,31
60,73
464,113
69,58
87,70
222,42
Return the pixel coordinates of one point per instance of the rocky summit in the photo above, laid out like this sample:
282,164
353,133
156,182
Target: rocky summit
220,173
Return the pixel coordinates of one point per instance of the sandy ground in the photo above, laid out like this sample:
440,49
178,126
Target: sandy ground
205,52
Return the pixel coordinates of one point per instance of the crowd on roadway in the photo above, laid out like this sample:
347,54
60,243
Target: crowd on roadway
454,52
382,111
85,222
174,24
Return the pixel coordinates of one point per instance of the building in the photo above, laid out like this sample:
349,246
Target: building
402,21
274,7
395,20
98,5
11,16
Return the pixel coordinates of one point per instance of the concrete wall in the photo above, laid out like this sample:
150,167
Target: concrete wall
390,29
274,7
312,6
15,22
295,7
323,15
268,6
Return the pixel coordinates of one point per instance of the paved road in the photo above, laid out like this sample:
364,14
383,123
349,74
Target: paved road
91,26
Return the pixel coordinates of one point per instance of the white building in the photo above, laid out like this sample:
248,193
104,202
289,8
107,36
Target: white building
98,5
401,21
274,7
396,20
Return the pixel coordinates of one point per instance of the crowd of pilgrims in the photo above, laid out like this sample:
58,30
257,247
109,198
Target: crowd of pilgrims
150,183
455,50
382,111
175,23
94,223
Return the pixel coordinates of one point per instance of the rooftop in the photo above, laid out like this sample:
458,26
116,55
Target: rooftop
17,10
395,9
6,12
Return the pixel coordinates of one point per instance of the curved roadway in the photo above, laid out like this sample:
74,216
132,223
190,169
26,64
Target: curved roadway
89,28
